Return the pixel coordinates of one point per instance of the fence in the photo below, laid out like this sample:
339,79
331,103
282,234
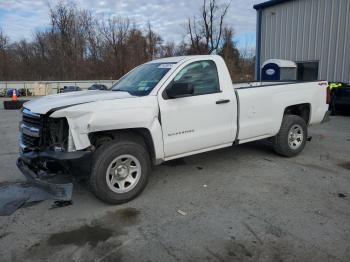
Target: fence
40,88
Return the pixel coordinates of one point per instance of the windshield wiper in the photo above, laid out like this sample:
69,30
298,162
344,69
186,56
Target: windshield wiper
131,92
120,90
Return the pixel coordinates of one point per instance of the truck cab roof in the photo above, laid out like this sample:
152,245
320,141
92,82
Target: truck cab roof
177,59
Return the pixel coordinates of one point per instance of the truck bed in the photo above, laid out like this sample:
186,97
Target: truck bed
261,109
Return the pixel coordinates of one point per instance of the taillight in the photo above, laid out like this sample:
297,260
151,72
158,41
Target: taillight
328,99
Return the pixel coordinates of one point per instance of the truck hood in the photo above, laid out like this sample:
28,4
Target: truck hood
45,104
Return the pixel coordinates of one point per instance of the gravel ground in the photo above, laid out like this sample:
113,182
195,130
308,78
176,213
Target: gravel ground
237,204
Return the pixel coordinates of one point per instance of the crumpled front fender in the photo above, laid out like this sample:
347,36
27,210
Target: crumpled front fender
113,115
78,122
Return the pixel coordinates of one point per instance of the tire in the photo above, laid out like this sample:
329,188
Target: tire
121,158
286,145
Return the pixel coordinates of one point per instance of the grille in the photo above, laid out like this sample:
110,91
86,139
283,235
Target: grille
30,141
31,127
36,121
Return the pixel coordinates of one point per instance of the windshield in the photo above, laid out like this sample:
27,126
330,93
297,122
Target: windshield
142,80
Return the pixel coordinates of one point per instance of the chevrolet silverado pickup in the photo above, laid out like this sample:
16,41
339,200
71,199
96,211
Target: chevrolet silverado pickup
161,110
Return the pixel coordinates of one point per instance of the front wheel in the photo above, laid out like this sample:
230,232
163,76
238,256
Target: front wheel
291,139
120,171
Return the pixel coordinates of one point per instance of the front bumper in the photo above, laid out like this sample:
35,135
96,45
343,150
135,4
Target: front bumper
61,190
59,183
56,156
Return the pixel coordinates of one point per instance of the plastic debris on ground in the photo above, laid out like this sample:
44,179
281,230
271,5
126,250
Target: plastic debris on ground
181,212
16,195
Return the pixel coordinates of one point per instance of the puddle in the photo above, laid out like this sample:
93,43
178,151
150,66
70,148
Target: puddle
127,215
345,165
101,229
97,238
81,236
123,217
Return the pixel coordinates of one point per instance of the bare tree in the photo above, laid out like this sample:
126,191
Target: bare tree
4,41
230,53
115,32
168,50
78,45
153,42
196,46
206,33
137,49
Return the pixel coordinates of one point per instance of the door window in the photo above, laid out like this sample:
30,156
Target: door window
203,76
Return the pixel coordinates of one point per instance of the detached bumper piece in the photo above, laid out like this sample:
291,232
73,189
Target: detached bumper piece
40,186
57,185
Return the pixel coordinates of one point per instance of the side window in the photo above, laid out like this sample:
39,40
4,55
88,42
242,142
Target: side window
203,75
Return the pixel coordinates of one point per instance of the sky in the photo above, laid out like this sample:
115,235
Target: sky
21,18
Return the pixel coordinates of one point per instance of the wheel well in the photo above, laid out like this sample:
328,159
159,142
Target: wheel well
302,110
141,135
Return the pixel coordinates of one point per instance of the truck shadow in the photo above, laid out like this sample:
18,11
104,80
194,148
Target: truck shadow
253,149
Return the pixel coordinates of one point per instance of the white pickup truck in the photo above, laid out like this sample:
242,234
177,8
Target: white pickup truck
162,110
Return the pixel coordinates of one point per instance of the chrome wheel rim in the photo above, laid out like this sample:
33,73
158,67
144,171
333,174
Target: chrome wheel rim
295,137
123,173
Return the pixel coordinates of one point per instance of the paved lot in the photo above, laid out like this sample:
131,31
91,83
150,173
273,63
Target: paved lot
242,204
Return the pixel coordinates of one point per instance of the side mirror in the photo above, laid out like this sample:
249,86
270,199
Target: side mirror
177,90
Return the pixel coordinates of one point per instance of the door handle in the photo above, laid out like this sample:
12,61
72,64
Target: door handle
223,101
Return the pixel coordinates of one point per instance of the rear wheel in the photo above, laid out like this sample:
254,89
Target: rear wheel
291,139
120,171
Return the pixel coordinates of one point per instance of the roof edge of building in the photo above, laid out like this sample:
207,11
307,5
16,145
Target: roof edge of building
269,4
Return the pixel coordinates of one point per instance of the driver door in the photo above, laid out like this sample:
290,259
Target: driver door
200,120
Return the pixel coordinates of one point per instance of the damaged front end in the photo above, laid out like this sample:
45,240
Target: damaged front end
47,154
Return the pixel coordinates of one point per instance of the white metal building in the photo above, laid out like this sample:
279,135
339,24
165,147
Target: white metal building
313,33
